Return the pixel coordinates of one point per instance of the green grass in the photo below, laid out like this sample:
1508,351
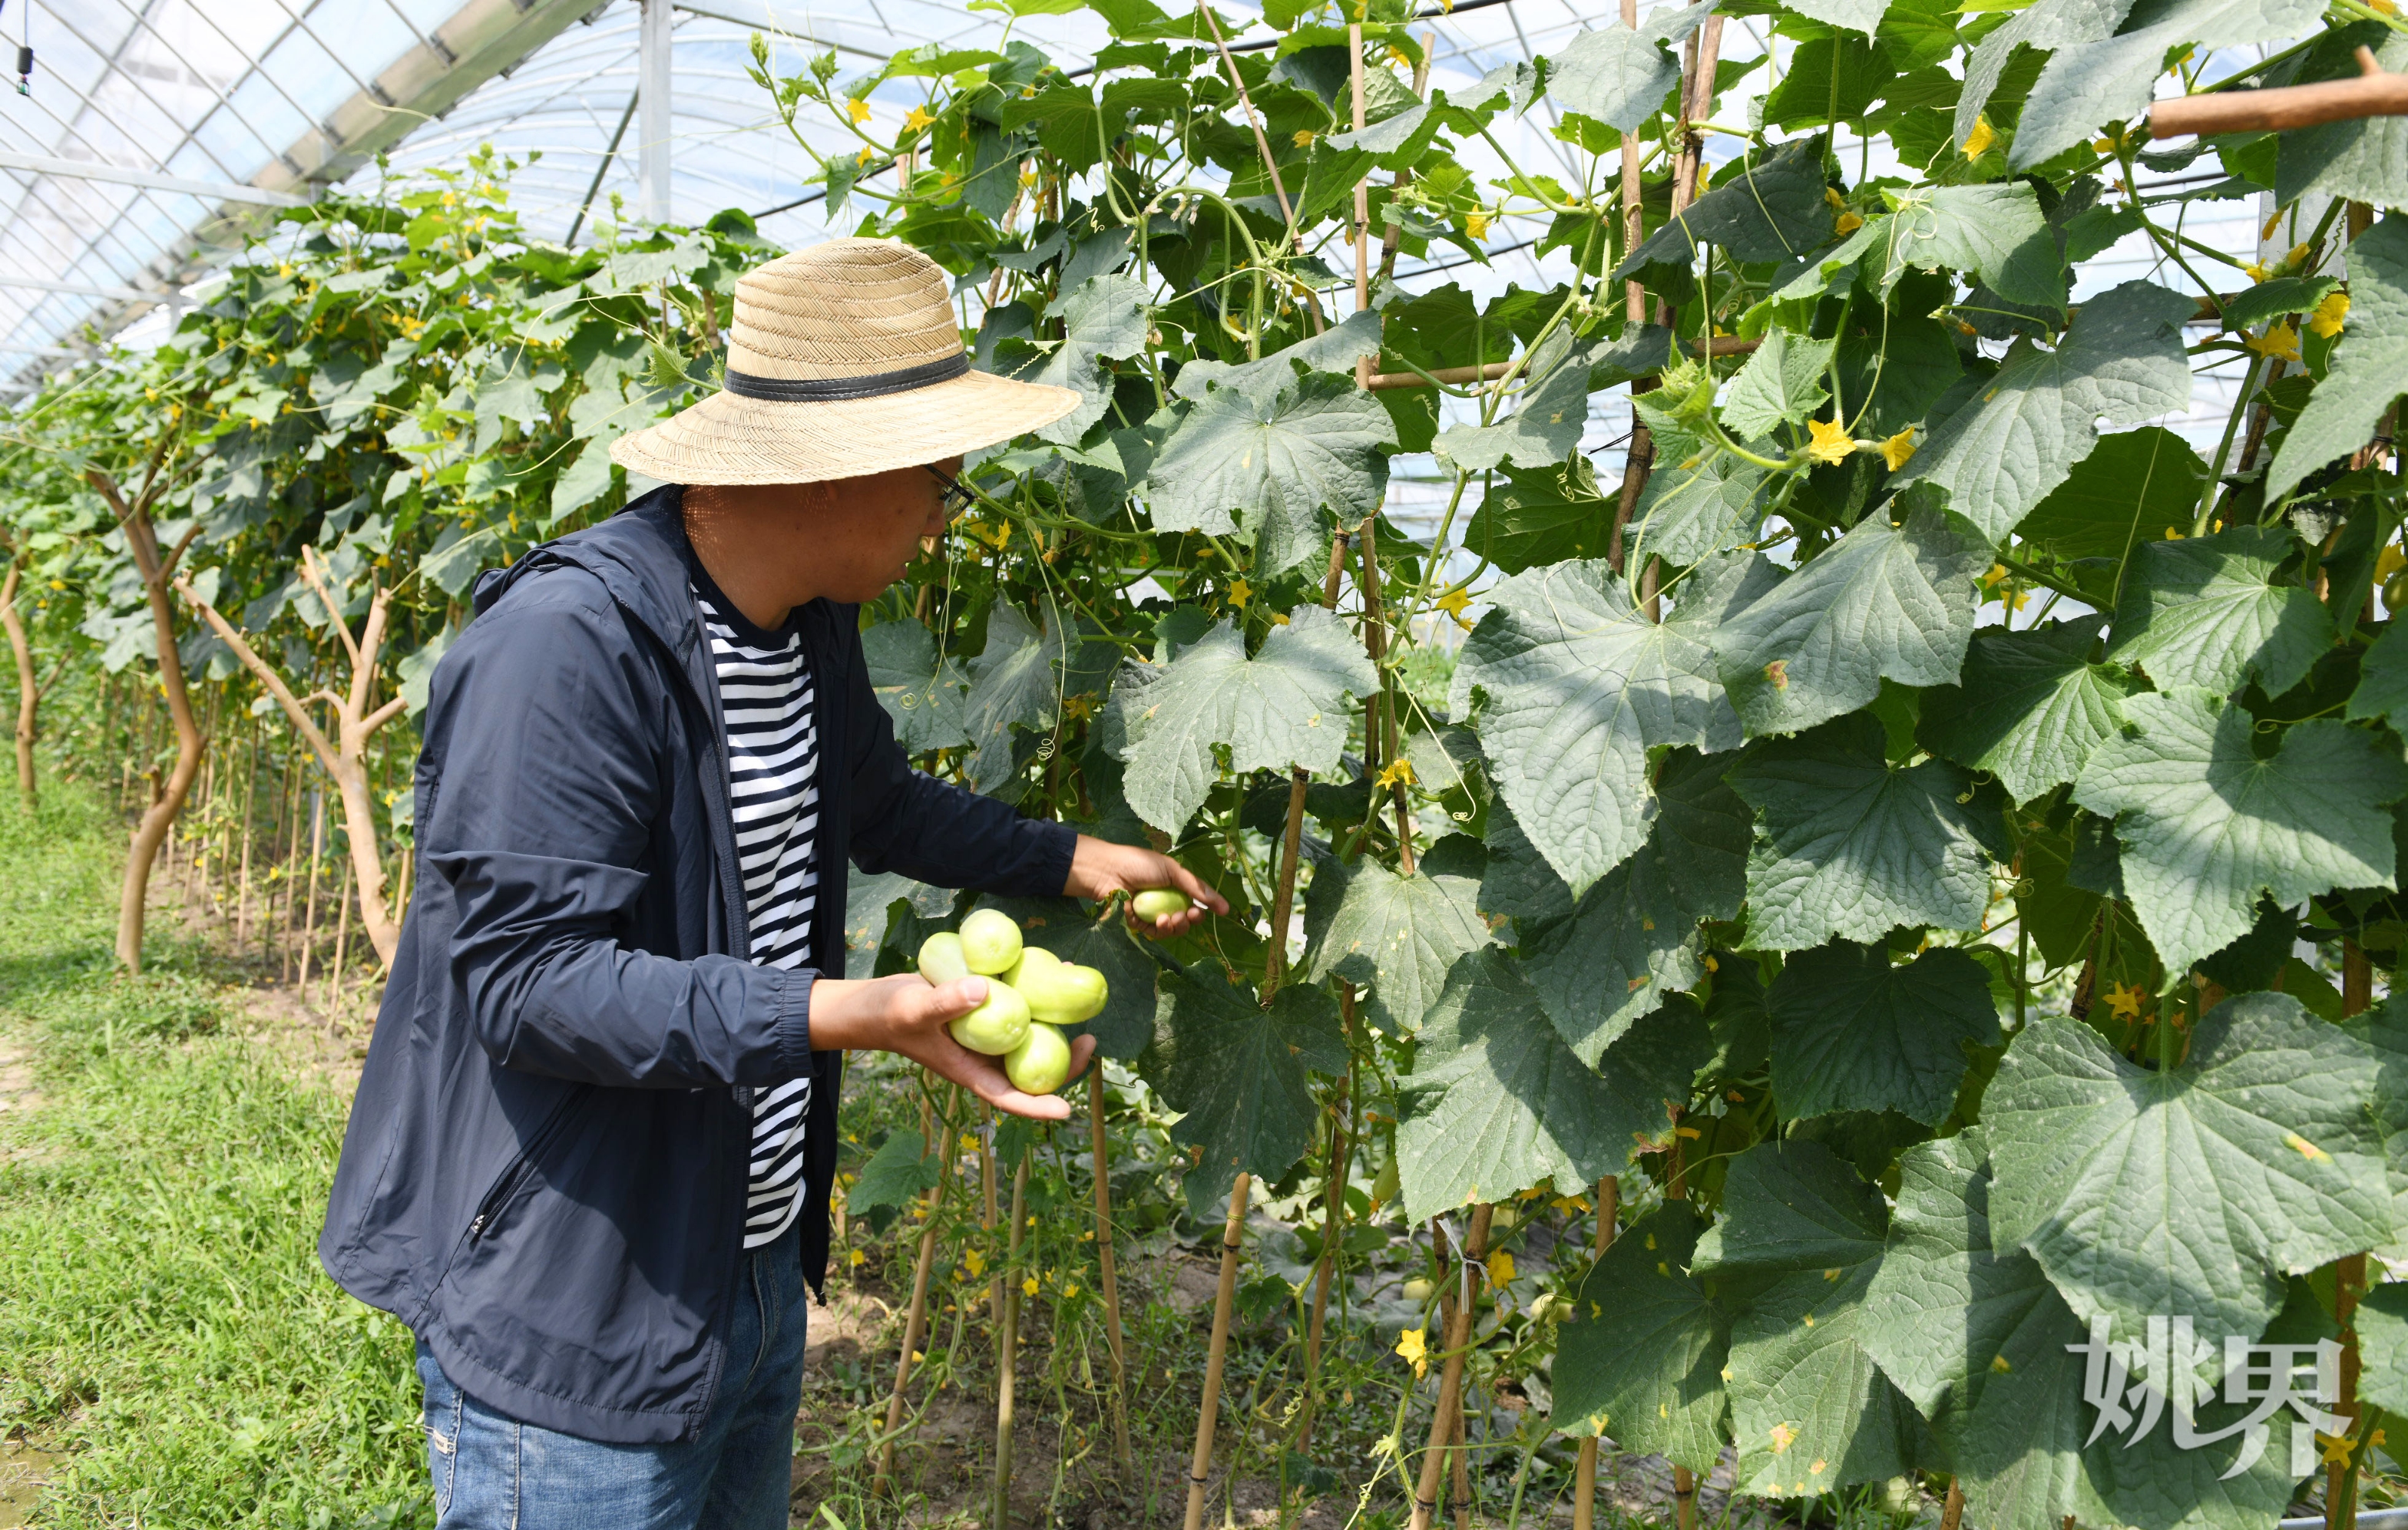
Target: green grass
164,1322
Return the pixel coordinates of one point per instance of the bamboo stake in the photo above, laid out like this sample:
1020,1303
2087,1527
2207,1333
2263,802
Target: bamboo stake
342,943
1609,1207
249,805
987,1211
1007,1347
1450,1386
2374,93
1684,1481
1108,1276
29,692
1394,239
1460,1455
1952,1513
915,1326
1375,643
2350,1281
1246,105
1333,1222
1199,1468
1362,199
317,854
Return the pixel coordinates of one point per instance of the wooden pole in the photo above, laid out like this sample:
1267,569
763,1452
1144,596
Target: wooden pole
1609,1207
2349,1282
1106,1274
1375,643
1952,1513
1008,1346
29,691
915,1325
317,854
1450,1386
1199,1469
2374,93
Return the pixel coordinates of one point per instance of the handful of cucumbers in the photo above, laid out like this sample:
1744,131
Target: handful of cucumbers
1029,991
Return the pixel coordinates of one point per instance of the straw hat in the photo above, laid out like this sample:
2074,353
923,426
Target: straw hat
843,360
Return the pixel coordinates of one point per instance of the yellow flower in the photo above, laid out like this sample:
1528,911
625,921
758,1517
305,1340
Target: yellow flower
1476,224
2173,533
917,118
1029,1286
1898,448
1832,442
2124,1002
1832,194
1240,593
856,1259
1978,142
2326,321
1500,1268
859,110
1453,602
1396,772
2104,146
2280,341
864,156
1848,224
974,1262
1304,136
1414,1345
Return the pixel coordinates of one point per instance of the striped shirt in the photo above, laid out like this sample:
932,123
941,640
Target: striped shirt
765,698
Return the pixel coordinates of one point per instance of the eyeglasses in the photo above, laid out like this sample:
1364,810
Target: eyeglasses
955,498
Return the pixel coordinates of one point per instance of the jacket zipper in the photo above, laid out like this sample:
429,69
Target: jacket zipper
520,1168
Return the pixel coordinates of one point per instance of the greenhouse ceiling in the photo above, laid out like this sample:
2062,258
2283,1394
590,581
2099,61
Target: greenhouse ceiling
150,131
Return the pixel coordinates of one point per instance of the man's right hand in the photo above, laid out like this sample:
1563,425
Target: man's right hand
905,1015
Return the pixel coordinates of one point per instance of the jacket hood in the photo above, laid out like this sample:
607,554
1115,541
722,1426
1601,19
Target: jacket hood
639,554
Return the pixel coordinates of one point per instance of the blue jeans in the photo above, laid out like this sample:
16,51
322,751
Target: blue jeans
493,1472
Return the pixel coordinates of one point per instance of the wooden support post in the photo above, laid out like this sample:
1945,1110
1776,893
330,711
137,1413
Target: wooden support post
1199,1469
1108,1276
1450,1386
1008,1347
1609,1210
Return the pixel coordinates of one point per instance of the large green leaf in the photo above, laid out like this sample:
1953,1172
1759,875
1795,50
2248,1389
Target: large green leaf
2382,1348
1545,427
2031,707
1517,882
2189,1192
1543,515
2001,454
1398,935
1614,74
1105,318
920,691
1642,1356
897,1174
1883,602
1696,507
1242,1076
2207,611
2132,487
1273,463
1020,682
1855,15
2110,79
2383,679
1773,211
1782,384
2385,1030
1282,708
1497,1103
1995,233
1852,1031
1633,937
1976,1339
2208,826
1574,685
1809,1410
2369,364
1847,845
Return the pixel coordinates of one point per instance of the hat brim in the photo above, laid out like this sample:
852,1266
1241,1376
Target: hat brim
730,439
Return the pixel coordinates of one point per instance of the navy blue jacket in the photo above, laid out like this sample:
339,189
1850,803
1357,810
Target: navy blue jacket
544,1173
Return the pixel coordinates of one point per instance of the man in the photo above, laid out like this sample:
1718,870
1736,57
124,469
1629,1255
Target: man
589,1159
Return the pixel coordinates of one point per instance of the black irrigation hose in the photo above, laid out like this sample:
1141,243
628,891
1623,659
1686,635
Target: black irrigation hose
1437,13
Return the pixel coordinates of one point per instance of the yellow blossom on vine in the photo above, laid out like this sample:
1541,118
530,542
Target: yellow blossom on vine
858,111
2124,1002
856,1259
864,156
2257,270
1398,772
1848,222
1898,448
2327,320
1029,1286
1978,142
1304,136
1414,1345
1476,224
1500,1268
1832,443
974,1262
2174,534
917,118
1453,602
1831,196
1239,593
2280,341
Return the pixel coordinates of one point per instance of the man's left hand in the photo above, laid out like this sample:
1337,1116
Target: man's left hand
1099,869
